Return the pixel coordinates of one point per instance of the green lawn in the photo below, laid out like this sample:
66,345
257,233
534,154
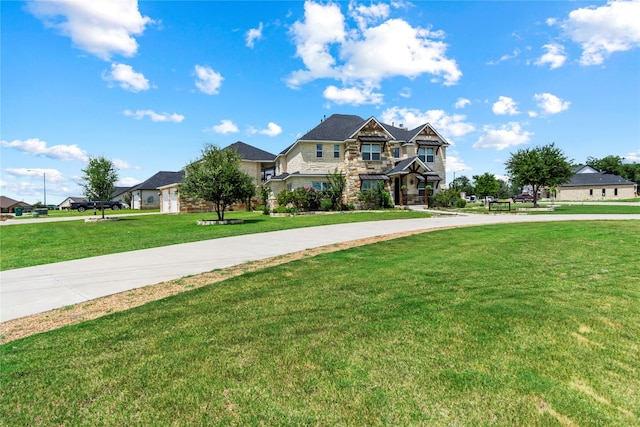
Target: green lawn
25,245
524,324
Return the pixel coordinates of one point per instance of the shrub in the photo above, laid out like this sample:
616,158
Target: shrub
461,203
326,204
376,197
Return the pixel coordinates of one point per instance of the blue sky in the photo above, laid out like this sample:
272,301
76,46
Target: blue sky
148,84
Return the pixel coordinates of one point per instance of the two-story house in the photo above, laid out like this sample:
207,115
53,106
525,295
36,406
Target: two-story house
365,151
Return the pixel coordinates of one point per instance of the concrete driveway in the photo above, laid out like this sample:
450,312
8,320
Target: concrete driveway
31,290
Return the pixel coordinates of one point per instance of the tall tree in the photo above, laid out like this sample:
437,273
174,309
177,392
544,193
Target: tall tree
217,178
614,165
486,185
539,167
462,184
98,181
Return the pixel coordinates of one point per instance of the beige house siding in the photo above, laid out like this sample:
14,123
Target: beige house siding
596,193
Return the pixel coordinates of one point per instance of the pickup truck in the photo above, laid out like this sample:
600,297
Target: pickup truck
90,204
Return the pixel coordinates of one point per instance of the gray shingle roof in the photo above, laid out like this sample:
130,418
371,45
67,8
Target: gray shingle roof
251,153
158,180
596,179
336,127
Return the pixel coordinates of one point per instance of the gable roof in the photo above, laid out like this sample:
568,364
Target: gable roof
596,179
404,167
251,153
158,180
7,202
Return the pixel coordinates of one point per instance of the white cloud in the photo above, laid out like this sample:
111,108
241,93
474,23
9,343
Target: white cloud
100,27
555,56
551,104
37,147
225,126
462,102
122,164
455,163
633,157
207,80
271,130
601,31
368,15
362,57
253,34
128,182
505,105
506,136
52,175
405,92
352,95
449,126
155,117
127,78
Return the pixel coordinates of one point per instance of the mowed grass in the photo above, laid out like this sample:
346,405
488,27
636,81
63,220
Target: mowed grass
587,209
25,245
526,324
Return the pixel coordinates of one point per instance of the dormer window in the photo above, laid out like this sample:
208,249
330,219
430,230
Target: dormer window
371,152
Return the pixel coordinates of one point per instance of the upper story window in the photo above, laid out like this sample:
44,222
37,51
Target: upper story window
318,150
336,151
425,154
370,151
396,153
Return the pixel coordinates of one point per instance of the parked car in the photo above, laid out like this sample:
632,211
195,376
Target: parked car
523,198
471,199
89,204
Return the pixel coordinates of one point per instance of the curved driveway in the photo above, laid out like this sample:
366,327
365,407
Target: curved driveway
41,288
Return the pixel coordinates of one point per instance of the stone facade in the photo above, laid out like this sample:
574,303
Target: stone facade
301,165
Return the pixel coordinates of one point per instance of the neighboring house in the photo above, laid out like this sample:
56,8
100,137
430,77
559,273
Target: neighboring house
365,151
146,194
8,205
119,194
66,203
256,163
591,184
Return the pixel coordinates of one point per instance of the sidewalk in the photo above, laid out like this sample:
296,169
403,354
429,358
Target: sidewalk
41,288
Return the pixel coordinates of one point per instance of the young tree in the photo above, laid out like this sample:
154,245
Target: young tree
98,181
539,167
486,185
217,178
337,183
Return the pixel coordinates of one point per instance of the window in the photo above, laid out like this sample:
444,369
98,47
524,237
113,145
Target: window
591,191
615,191
318,150
319,185
370,151
336,151
369,184
396,153
604,192
425,154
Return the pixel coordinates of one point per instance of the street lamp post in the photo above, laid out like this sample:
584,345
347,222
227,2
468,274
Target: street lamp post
44,185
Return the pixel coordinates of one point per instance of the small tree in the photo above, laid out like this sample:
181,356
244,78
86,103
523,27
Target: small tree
98,181
337,183
217,178
539,167
486,185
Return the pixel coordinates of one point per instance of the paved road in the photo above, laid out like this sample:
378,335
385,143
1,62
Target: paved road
37,289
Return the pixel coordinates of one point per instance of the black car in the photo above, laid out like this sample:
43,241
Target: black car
524,198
